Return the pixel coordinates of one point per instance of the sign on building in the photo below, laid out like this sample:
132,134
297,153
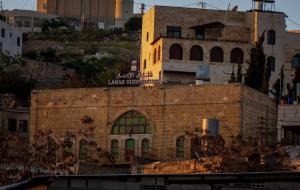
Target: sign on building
134,79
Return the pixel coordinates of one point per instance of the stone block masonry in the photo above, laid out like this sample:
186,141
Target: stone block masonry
171,112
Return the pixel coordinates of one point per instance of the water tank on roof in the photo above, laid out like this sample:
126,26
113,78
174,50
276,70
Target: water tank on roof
210,127
264,5
259,4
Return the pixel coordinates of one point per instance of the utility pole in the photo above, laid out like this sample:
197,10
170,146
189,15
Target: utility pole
142,8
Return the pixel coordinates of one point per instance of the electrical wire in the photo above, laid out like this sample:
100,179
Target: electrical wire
292,21
202,3
28,2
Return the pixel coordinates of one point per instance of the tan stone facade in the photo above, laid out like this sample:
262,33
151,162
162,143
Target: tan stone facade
171,112
227,30
104,12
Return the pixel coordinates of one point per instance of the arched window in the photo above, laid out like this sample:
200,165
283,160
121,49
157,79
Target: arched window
296,61
180,147
130,149
271,63
145,64
83,150
158,53
176,52
145,148
52,148
115,149
196,53
237,56
216,55
67,148
155,56
131,122
271,37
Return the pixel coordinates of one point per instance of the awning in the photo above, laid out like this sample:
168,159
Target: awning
209,25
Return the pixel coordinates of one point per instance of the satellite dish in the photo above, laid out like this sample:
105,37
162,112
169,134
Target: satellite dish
235,8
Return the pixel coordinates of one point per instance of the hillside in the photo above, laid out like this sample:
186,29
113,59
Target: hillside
61,57
86,58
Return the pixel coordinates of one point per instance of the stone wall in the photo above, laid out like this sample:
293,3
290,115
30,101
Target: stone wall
288,116
203,165
172,111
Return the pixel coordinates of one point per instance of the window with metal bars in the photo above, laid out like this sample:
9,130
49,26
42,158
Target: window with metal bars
131,122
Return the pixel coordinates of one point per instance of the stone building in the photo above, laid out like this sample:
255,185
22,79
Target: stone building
154,122
105,13
289,124
26,20
10,40
182,45
14,117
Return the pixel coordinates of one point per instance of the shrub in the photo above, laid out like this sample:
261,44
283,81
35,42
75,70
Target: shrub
31,54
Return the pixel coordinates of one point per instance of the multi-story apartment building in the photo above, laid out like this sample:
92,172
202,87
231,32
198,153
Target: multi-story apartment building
14,117
26,20
10,40
180,45
104,13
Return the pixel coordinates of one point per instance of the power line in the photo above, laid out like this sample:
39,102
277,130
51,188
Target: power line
202,4
292,21
28,2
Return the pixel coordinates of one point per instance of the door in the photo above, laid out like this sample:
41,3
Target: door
130,147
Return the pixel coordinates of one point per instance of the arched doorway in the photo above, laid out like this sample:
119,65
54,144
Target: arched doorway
132,131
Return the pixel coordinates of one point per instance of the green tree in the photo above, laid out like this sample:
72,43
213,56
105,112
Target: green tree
134,24
258,73
296,81
12,83
239,76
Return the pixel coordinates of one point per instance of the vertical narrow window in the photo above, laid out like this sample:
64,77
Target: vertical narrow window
130,149
145,64
147,36
18,41
145,148
159,77
52,148
271,37
155,56
271,63
3,32
158,53
196,53
83,150
115,149
67,148
176,52
296,61
23,126
12,125
180,147
216,55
